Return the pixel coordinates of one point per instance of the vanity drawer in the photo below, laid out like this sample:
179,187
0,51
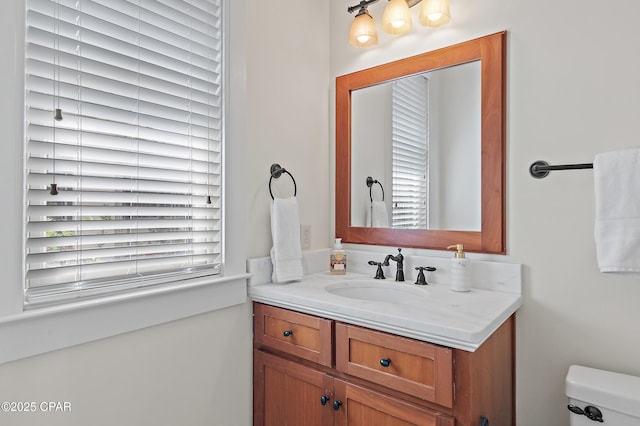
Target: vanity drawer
302,335
410,366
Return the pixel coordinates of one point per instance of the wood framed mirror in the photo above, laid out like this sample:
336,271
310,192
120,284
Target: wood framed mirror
490,52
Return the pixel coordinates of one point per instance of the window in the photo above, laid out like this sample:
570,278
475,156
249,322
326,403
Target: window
410,139
137,156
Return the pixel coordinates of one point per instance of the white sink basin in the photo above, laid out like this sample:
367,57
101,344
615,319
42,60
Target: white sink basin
379,291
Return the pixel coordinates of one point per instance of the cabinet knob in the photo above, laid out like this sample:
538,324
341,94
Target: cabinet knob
324,399
385,362
336,405
287,333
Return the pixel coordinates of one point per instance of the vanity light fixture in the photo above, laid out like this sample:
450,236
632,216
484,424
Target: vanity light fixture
396,19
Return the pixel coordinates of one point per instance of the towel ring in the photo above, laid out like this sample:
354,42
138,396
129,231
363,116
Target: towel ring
277,171
370,182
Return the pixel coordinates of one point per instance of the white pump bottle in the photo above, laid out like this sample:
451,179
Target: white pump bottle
460,270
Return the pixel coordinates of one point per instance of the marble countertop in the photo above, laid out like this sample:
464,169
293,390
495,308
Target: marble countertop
436,314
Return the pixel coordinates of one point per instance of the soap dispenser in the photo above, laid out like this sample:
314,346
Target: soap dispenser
338,261
460,270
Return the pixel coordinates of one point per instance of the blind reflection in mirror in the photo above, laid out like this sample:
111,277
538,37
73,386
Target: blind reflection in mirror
417,133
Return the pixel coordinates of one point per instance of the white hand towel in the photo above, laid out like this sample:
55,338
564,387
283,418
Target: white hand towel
617,200
377,216
286,253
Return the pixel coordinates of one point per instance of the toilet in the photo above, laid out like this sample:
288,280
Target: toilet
599,396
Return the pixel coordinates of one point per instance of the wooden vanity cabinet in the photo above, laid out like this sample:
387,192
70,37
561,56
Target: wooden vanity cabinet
372,377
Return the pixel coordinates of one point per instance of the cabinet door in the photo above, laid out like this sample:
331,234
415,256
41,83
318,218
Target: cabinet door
358,406
289,394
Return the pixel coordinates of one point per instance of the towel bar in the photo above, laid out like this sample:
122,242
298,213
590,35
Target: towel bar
540,169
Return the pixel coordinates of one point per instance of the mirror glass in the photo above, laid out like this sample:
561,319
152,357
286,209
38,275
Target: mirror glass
429,131
418,138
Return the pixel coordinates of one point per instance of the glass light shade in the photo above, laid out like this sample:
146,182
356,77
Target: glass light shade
363,31
397,17
434,13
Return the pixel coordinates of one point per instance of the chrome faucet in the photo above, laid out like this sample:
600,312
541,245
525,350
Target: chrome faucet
399,259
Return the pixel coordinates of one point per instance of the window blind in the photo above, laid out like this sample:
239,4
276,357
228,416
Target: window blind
410,136
137,157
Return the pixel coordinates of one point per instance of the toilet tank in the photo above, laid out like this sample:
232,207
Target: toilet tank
615,395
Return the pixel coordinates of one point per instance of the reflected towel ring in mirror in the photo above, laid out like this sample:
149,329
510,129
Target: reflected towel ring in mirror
277,171
370,182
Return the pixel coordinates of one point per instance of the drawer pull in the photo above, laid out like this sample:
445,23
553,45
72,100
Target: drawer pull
287,333
324,399
336,405
385,362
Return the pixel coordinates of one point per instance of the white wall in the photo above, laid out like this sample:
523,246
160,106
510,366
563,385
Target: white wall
195,371
288,115
572,92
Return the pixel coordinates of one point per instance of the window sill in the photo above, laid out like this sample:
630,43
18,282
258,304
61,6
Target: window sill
47,329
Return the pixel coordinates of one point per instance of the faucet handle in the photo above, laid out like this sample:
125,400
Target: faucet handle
379,271
421,280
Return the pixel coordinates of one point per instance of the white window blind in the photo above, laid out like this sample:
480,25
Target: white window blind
138,154
410,138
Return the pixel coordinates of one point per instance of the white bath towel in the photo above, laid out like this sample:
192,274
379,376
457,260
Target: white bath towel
617,200
286,253
377,216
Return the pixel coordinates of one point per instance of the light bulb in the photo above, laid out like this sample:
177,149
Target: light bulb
434,16
363,38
